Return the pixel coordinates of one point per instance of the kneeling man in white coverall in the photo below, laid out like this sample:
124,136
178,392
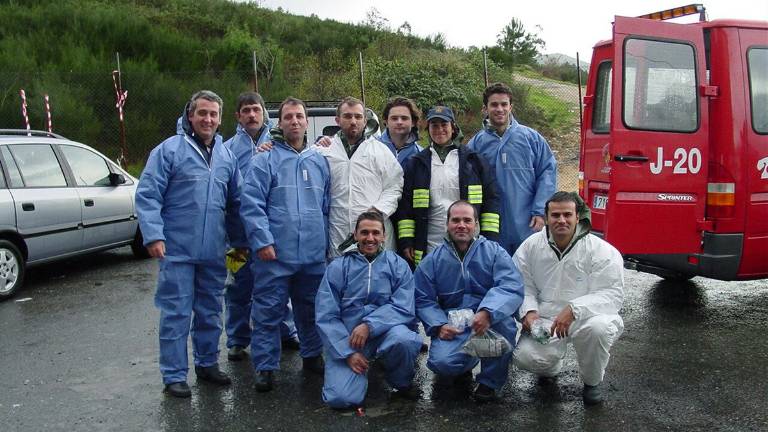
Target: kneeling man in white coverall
575,280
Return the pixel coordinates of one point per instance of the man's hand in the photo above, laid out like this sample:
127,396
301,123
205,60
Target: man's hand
358,363
267,253
156,249
528,320
242,253
481,322
324,141
264,147
537,223
359,336
408,254
448,332
562,322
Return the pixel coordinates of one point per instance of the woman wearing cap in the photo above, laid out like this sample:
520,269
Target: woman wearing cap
444,172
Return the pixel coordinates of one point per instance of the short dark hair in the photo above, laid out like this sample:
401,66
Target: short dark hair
351,101
563,196
399,101
249,98
457,203
290,101
372,215
207,95
496,88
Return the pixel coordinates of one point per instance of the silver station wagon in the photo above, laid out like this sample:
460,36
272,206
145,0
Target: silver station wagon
59,198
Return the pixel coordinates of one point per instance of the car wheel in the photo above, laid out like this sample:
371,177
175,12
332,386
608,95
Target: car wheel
11,269
137,246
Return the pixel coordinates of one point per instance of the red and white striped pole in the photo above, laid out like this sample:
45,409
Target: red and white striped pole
24,109
48,113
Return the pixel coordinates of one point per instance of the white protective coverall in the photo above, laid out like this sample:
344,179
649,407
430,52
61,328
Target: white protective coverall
590,278
443,191
371,178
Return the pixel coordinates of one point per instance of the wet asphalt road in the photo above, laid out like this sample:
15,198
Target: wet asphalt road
81,355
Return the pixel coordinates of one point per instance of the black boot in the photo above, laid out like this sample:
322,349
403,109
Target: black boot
314,364
264,381
178,389
212,374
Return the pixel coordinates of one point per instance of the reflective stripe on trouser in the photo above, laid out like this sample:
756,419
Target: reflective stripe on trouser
276,282
238,304
591,338
398,348
182,289
446,357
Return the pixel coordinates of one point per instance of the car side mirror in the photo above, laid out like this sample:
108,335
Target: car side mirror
116,179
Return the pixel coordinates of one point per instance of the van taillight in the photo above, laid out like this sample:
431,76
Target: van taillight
721,200
581,184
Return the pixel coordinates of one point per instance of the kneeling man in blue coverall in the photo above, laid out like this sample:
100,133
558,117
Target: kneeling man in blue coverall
363,307
468,272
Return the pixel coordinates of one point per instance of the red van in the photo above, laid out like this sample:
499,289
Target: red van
674,145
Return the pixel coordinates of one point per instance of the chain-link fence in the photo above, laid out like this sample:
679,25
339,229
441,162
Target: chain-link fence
83,109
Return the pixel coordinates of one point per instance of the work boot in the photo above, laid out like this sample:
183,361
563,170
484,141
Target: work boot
263,381
178,389
290,344
212,374
314,364
592,395
484,394
236,353
545,381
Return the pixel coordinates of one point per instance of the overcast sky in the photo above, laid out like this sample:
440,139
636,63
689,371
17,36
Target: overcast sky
566,26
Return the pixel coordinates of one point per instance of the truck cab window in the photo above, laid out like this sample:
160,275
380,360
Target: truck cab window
757,59
601,114
660,86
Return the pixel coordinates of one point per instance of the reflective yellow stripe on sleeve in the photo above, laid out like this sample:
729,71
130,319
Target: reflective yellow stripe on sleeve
417,255
406,228
421,198
489,222
475,194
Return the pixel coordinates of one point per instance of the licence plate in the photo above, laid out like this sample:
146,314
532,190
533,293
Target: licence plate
599,202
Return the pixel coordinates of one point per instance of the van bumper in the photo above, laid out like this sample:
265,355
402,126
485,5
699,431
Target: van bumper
719,260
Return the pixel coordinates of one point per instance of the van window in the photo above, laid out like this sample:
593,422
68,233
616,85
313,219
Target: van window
601,113
660,86
757,59
38,165
88,168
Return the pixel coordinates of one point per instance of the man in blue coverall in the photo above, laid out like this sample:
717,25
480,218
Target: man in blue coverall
285,204
523,164
252,129
188,201
468,273
363,307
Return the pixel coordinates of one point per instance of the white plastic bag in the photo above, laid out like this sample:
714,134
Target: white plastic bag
460,318
540,331
489,344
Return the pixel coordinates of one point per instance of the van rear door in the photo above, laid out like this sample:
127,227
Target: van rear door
658,148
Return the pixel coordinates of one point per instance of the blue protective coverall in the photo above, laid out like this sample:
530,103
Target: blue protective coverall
381,294
237,295
192,205
526,176
485,279
411,147
285,204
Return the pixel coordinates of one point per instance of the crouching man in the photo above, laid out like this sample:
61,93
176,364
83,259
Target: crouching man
468,273
575,280
363,306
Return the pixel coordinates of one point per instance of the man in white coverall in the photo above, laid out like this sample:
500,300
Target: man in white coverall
575,280
364,175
